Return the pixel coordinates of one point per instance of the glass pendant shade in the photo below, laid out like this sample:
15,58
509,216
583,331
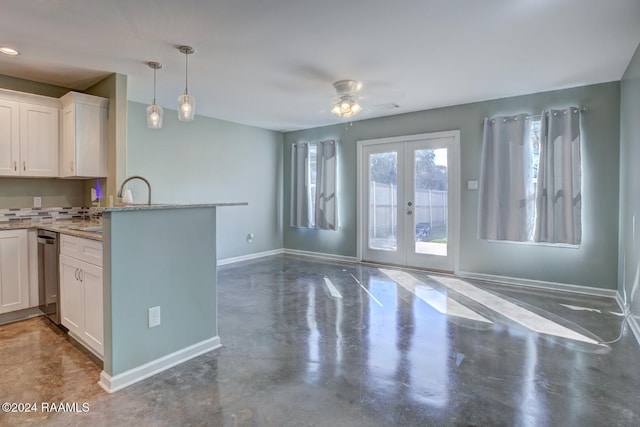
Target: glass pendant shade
186,102
154,111
346,107
186,107
154,116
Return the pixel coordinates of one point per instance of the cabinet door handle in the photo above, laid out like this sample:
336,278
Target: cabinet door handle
24,166
15,166
71,165
76,274
81,274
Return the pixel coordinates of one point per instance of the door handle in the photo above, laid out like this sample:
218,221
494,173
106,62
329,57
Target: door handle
81,274
76,274
71,166
409,212
15,166
24,166
409,204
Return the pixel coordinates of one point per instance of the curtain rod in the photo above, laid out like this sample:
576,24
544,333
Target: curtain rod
582,109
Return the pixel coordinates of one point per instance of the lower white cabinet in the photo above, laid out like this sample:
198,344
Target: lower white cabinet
14,270
81,290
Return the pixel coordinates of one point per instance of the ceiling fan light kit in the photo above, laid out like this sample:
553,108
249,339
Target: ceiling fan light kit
347,106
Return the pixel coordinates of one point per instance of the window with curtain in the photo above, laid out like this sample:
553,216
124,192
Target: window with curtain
530,178
313,185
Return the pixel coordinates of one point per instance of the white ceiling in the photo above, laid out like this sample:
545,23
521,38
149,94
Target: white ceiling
272,63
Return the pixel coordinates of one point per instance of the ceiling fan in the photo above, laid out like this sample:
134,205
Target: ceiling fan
347,92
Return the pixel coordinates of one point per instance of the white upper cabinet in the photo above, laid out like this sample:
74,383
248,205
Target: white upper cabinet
39,140
9,137
83,147
29,135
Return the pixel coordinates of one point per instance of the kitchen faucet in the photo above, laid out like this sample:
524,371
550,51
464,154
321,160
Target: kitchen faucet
135,177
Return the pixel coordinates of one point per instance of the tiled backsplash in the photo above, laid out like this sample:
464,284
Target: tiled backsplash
43,214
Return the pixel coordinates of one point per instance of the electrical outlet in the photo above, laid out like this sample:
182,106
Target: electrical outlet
250,237
37,202
154,317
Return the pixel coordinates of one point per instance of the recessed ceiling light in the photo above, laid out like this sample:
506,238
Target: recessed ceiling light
8,51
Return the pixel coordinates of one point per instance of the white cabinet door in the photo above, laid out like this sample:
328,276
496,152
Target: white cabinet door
38,140
9,137
84,136
72,301
81,288
14,270
91,277
67,143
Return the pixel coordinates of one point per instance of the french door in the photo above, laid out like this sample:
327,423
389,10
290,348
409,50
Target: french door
408,207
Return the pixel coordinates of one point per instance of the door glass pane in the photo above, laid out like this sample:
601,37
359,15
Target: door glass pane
431,210
383,201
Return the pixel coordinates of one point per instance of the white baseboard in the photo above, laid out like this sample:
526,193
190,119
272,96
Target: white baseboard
539,284
635,327
321,255
621,304
118,382
249,257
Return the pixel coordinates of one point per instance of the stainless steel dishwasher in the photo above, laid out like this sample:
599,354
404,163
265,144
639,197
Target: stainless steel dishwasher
48,283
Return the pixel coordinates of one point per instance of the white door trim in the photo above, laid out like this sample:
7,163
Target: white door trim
455,175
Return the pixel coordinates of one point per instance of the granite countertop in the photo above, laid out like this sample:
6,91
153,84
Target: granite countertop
63,227
74,227
140,207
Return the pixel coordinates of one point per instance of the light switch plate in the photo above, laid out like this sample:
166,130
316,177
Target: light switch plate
472,185
37,202
154,317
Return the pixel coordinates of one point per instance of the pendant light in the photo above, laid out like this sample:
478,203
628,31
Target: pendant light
154,112
186,102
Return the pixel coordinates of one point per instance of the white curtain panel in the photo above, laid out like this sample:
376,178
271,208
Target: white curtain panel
506,199
299,214
558,193
326,213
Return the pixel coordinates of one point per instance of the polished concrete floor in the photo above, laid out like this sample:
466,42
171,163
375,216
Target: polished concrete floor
312,343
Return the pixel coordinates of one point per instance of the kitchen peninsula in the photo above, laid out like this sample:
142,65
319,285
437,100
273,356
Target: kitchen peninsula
159,267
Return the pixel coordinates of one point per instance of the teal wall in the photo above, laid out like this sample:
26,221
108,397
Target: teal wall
593,264
629,265
165,258
210,160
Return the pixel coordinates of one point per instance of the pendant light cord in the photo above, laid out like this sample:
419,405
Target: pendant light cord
186,73
154,85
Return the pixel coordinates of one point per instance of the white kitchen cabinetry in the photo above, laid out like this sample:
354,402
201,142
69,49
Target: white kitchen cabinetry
81,290
9,137
14,270
83,148
29,135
